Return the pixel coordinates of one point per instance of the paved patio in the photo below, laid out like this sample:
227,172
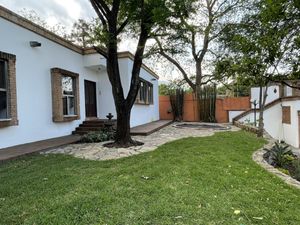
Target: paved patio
149,128
96,151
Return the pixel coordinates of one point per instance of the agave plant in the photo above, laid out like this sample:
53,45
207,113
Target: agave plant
278,155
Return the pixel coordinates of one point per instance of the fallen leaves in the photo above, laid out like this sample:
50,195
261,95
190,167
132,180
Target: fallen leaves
258,218
145,177
237,212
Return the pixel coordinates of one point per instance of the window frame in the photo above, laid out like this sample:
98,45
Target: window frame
145,93
10,90
68,96
58,112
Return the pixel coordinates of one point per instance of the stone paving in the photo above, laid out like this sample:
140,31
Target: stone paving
96,151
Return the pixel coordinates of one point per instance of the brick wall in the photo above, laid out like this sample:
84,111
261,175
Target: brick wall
190,111
221,113
165,108
224,105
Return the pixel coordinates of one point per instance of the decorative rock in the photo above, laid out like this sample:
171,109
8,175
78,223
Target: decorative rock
96,151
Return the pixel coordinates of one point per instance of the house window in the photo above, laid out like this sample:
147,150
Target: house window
65,95
286,114
145,94
8,93
3,90
68,90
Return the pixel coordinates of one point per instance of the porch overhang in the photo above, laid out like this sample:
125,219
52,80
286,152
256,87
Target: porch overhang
94,62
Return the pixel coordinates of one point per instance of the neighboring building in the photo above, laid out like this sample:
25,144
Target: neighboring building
281,115
47,91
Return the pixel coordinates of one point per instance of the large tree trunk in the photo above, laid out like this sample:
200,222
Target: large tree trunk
109,17
123,137
124,104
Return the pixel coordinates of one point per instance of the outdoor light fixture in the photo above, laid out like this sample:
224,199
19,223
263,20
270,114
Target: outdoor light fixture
153,79
35,44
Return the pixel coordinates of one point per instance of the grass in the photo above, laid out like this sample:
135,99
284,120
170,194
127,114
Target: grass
190,181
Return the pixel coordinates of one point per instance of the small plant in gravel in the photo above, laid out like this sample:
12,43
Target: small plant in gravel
98,136
279,155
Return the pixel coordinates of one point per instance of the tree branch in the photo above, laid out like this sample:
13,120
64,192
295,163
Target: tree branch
103,5
122,26
193,43
99,12
101,51
175,63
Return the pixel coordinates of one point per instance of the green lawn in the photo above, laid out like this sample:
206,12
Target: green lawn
191,181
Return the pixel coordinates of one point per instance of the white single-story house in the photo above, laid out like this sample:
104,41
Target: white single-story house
281,115
49,86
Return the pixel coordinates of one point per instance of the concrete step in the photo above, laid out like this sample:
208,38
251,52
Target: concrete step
99,121
89,128
80,132
93,125
98,125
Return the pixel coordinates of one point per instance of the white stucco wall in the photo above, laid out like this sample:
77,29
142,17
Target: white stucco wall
232,114
140,114
288,91
291,131
273,122
106,100
34,100
145,113
271,94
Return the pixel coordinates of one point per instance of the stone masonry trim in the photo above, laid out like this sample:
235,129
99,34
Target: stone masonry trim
57,97
11,91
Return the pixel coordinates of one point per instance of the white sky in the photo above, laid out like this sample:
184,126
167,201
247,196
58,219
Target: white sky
66,12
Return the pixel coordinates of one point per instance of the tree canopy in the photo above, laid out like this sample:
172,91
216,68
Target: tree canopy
263,47
190,43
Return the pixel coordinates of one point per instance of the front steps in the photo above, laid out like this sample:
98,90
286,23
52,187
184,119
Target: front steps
93,125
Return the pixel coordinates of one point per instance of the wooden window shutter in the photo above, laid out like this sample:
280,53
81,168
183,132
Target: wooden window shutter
286,114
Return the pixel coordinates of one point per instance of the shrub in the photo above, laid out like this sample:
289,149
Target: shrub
98,136
285,171
296,165
279,155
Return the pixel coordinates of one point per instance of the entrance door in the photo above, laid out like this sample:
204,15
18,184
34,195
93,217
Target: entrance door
90,98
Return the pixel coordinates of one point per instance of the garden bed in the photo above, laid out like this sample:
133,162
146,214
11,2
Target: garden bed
281,157
246,127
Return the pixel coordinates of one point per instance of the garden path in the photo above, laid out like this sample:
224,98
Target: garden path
96,151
